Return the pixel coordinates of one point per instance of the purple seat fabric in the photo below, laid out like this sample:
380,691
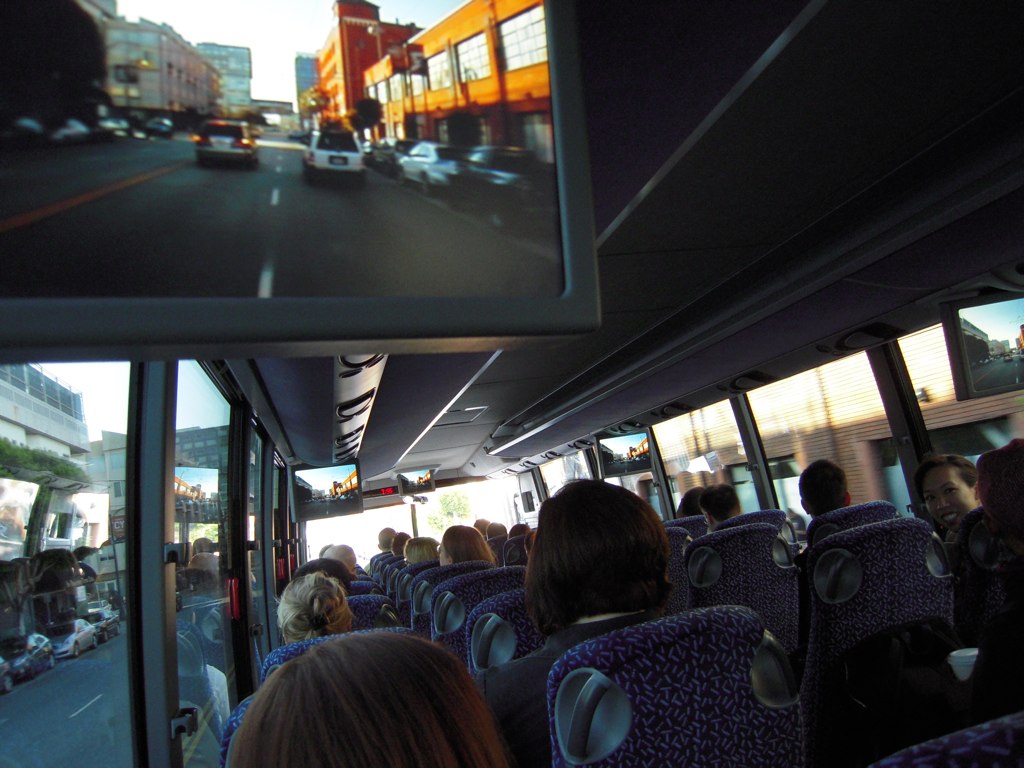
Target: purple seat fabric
774,517
403,588
455,598
747,565
421,590
845,518
372,611
362,587
979,592
864,581
510,608
514,551
380,573
695,524
996,744
678,539
680,690
375,562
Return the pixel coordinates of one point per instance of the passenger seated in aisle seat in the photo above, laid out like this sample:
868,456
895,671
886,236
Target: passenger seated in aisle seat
324,709
481,525
496,529
332,568
519,529
421,549
344,554
460,544
999,672
312,605
598,563
398,544
719,503
947,484
822,489
689,505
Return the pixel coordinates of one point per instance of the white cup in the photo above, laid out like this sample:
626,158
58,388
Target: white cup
962,661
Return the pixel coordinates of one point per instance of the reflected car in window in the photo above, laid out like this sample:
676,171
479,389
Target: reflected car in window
431,166
28,655
106,622
508,185
82,636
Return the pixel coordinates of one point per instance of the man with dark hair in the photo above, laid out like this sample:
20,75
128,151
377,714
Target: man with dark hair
599,562
823,488
719,503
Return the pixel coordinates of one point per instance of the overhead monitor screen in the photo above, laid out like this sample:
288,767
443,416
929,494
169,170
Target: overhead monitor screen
326,492
415,481
624,455
306,150
985,337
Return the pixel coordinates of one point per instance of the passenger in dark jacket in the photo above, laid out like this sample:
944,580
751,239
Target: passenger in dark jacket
598,563
999,673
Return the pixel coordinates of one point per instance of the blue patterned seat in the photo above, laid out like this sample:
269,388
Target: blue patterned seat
363,587
514,551
979,592
845,518
749,565
499,630
996,744
864,581
372,612
697,525
774,517
708,688
380,573
456,597
678,540
403,588
497,545
421,590
375,562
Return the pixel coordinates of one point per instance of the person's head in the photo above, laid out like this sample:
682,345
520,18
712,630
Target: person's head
1001,492
519,529
206,561
947,484
719,503
344,554
325,549
202,544
598,548
689,505
384,539
496,529
481,525
823,488
421,549
333,568
324,709
398,544
460,544
313,605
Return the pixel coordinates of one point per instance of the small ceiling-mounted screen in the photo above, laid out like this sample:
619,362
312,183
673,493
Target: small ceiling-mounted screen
326,492
985,339
624,455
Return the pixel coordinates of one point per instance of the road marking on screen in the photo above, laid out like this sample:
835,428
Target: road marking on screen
31,217
266,287
86,706
275,196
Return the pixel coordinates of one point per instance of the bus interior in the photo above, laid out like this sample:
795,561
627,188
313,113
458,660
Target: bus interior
783,200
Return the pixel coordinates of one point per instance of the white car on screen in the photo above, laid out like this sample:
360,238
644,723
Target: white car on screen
431,166
334,153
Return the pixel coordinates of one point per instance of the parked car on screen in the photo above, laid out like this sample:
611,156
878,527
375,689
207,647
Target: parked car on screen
114,126
6,676
82,636
431,166
226,141
72,131
384,155
106,622
160,127
509,185
28,655
334,153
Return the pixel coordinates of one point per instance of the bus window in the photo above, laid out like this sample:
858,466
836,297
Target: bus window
63,579
697,449
206,671
831,412
564,469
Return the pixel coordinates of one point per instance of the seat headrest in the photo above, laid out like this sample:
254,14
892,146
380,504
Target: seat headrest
821,531
837,576
493,641
593,716
705,567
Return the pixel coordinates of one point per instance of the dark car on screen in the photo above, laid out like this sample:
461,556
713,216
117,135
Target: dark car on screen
28,655
160,128
509,186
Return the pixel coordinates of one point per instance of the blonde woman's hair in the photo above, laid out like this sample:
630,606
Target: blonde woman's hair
311,606
420,550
